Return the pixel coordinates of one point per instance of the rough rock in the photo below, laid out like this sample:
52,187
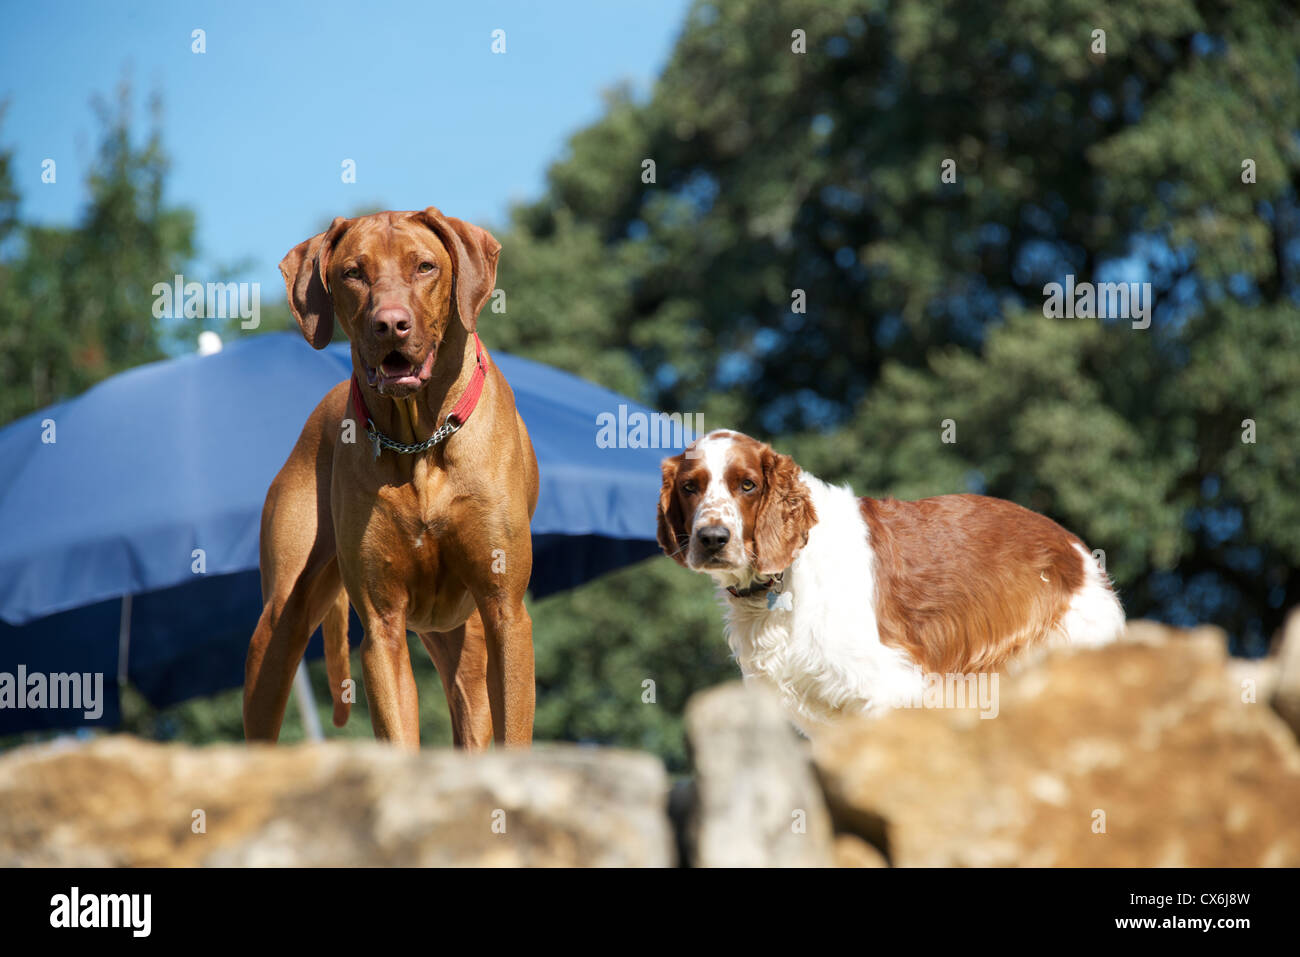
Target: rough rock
1146,631
1142,753
1286,692
122,801
853,851
756,799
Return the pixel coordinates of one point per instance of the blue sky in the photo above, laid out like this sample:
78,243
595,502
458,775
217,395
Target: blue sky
258,126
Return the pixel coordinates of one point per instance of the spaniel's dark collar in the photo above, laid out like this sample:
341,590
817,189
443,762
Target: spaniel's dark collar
755,589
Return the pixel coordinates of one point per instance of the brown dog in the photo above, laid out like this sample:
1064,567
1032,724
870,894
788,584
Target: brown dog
419,529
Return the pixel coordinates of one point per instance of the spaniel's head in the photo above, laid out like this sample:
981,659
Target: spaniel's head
734,508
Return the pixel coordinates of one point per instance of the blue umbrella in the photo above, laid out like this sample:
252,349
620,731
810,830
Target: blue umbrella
131,513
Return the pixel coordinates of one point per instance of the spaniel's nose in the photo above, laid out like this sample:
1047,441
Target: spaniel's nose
714,537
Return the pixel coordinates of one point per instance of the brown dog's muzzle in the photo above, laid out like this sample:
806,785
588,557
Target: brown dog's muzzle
397,375
398,365
397,344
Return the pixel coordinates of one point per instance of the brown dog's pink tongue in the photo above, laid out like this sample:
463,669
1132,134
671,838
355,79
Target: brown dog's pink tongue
426,368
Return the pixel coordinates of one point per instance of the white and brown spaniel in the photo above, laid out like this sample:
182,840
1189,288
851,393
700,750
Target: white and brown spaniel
844,604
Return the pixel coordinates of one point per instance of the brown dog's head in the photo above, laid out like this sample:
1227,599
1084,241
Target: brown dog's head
394,280
734,508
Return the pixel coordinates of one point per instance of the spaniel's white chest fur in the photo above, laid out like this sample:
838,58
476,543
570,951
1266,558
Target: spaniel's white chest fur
820,647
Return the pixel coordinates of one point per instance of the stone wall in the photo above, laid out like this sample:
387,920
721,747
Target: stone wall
1159,750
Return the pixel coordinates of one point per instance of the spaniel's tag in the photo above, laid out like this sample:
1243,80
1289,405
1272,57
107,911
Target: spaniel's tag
374,443
782,600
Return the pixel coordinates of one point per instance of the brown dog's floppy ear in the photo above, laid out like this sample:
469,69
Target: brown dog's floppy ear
785,514
474,253
304,270
672,534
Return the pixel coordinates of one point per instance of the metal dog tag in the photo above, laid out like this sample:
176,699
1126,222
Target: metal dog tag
782,600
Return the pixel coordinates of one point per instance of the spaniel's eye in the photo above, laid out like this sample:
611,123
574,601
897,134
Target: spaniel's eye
747,486
427,267
689,488
352,272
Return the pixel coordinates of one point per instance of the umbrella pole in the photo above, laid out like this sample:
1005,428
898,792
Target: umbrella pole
306,703
123,640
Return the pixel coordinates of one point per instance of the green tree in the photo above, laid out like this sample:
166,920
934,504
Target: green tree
76,302
1115,156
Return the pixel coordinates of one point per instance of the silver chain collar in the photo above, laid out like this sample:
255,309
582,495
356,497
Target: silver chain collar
380,441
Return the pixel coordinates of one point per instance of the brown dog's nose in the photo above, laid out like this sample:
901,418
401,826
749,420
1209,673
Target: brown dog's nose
392,321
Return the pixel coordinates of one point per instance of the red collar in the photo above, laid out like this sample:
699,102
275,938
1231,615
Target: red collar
457,417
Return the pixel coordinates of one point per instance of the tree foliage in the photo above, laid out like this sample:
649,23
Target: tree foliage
76,301
779,171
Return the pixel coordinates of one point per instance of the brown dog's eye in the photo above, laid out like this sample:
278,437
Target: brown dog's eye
352,272
747,486
689,488
427,267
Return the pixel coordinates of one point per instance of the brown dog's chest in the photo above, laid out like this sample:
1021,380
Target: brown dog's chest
406,540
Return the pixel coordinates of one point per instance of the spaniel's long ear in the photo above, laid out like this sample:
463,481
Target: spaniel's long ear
673,537
785,514
304,269
474,253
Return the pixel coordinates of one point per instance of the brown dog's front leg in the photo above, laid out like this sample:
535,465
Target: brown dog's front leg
390,684
511,683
